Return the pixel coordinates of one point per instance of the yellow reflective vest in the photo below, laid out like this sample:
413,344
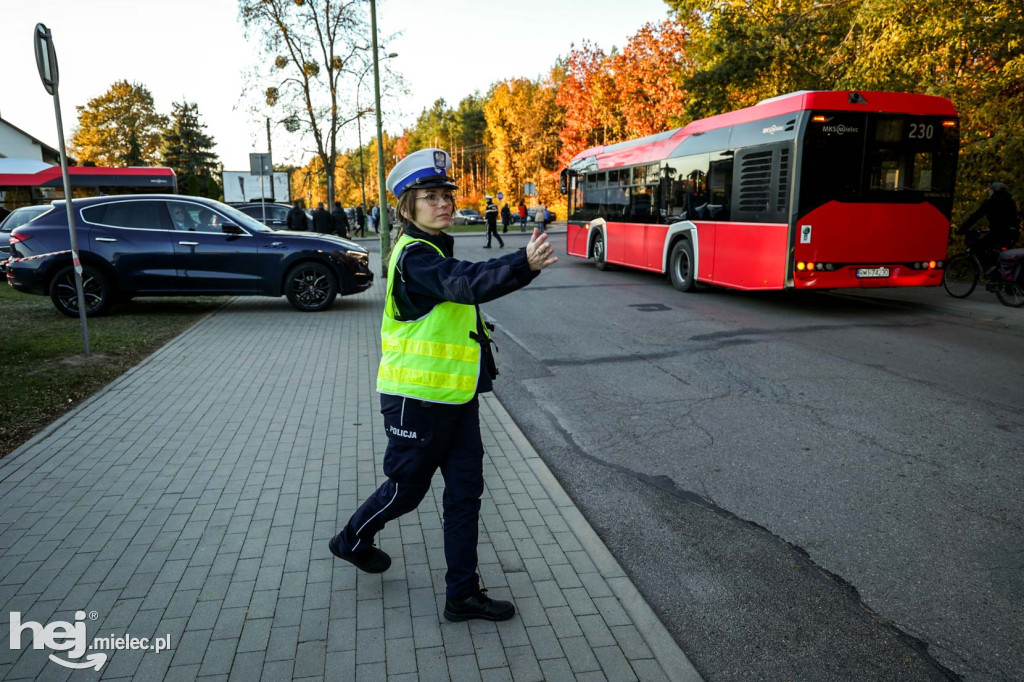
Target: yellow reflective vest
432,358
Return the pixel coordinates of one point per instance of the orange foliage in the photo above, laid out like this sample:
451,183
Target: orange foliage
628,94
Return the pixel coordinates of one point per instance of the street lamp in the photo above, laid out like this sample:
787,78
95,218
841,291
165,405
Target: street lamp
291,124
385,230
359,127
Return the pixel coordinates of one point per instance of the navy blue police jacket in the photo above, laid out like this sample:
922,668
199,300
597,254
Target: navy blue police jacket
424,278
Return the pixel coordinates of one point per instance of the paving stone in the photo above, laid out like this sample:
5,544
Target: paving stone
614,664
432,665
523,664
401,655
310,659
246,667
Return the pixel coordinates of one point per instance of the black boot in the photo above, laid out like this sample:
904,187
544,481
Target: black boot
478,605
369,560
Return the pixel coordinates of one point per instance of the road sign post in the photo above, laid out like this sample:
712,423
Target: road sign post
46,62
261,164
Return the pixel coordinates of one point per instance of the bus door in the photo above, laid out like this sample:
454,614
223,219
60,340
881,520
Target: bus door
752,247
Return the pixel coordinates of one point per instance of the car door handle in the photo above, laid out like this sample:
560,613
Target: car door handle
189,243
105,239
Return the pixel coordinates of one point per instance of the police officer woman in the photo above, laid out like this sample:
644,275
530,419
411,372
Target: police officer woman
436,359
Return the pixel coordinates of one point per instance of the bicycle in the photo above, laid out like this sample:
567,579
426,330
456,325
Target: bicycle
1010,292
964,270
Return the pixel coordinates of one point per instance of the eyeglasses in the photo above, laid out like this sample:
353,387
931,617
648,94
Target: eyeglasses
433,198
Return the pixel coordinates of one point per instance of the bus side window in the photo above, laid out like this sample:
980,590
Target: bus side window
687,199
720,188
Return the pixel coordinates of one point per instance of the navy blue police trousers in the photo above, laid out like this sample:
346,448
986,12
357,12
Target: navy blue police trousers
422,438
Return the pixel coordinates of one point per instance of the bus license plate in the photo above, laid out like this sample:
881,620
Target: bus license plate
872,272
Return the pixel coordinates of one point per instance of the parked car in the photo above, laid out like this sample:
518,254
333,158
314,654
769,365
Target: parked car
276,214
166,245
467,216
16,218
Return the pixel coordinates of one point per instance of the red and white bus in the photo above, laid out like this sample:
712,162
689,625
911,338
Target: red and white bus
811,190
25,182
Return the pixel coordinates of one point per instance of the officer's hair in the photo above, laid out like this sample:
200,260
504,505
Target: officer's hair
406,207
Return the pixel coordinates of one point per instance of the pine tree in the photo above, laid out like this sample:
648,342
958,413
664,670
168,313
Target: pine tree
189,151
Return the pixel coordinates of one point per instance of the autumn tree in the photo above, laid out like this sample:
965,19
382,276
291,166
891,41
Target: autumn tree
749,50
316,47
460,132
971,53
119,128
649,73
589,98
523,122
637,91
189,151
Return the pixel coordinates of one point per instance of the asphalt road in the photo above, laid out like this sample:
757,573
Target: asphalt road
804,487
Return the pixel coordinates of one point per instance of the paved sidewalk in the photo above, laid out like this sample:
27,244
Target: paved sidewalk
194,498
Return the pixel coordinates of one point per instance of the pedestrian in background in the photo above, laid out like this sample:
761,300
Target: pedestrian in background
339,220
522,216
436,361
540,216
491,214
375,215
321,219
360,221
297,218
506,217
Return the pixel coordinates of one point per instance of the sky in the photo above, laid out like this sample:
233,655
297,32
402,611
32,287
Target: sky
196,50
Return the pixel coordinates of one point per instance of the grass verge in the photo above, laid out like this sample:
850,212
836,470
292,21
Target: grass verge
45,372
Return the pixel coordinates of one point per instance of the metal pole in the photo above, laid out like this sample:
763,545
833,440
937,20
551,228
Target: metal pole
263,198
362,173
385,232
270,150
71,222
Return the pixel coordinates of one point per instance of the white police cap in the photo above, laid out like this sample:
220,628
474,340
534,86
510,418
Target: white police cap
425,168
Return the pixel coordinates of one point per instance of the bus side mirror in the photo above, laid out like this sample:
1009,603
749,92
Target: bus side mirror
563,181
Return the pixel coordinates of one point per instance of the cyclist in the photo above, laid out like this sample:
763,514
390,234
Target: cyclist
1003,230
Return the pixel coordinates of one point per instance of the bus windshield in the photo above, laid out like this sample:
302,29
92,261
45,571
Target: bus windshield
881,158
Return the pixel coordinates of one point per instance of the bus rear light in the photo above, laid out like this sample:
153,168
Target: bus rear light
819,119
810,266
800,266
948,124
932,264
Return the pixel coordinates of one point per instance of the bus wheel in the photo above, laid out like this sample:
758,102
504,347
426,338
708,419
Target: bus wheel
599,255
680,266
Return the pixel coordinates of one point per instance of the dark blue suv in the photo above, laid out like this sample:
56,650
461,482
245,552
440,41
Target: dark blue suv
168,245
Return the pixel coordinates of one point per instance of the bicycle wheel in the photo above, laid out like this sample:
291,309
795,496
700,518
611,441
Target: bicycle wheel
961,275
1011,294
